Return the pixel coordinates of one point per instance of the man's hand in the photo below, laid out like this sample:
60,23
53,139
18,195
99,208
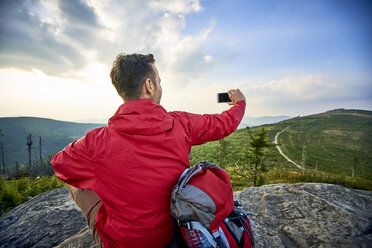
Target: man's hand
235,96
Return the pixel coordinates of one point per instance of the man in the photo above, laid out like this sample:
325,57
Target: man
127,169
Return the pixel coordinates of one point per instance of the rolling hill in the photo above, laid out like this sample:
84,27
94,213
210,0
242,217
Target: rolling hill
332,140
258,121
55,136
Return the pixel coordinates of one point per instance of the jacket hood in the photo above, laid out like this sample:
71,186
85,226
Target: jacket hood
143,117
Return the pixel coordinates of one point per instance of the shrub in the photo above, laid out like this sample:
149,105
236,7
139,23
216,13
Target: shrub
17,190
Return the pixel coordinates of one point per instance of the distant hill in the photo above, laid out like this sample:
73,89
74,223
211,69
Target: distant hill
258,121
332,141
55,136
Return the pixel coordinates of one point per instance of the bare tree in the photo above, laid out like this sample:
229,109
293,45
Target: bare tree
2,156
42,170
29,144
355,160
303,160
2,151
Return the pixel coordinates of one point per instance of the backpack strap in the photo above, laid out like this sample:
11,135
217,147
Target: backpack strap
242,216
220,238
178,240
249,231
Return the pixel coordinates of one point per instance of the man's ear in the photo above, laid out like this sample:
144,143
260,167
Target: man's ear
148,86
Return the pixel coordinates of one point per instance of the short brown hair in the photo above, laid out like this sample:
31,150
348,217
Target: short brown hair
128,73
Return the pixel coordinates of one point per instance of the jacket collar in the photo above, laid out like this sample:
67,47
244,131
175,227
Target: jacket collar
143,117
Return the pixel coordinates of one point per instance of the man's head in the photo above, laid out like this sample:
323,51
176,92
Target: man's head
135,76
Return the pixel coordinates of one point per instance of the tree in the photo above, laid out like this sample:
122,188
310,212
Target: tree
2,156
223,150
29,144
257,145
2,151
356,161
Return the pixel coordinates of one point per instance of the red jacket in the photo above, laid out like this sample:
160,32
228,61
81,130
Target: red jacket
133,164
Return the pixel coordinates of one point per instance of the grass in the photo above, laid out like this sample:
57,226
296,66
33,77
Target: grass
242,178
332,140
18,190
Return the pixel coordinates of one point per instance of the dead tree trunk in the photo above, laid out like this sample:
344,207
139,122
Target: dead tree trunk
2,157
41,170
29,144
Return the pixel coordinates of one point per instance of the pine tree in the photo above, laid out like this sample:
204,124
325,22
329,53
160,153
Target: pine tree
257,144
223,150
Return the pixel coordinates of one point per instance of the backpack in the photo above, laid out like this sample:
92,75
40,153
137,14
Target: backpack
205,212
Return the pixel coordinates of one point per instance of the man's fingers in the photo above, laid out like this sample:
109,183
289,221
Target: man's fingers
235,95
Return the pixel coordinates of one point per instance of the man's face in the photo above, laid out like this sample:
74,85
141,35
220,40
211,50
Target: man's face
158,90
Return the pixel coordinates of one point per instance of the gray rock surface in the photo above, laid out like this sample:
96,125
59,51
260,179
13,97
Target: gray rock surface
45,220
309,215
298,215
82,239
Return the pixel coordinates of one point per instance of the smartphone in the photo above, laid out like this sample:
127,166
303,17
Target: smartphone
223,97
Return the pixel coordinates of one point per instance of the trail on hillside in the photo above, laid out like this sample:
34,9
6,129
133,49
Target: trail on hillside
280,151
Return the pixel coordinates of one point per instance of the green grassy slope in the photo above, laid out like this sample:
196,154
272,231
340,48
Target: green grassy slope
332,140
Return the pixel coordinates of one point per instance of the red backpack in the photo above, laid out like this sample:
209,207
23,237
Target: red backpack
205,212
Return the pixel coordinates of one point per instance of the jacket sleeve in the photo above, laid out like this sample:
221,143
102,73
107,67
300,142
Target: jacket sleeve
204,128
75,164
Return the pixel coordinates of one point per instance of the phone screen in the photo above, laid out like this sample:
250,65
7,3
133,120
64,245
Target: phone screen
223,97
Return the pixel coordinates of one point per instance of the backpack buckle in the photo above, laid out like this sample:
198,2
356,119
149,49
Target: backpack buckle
237,203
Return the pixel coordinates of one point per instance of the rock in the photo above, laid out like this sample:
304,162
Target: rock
45,220
298,215
309,215
82,239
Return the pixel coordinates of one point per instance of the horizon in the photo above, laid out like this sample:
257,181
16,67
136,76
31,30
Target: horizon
291,58
104,121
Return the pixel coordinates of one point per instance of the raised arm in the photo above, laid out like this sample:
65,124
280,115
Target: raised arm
204,128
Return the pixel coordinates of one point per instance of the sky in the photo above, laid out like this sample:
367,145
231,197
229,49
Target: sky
288,57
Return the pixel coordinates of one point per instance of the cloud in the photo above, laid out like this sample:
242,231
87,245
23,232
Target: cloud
156,29
183,58
77,12
29,39
176,6
304,94
62,37
311,86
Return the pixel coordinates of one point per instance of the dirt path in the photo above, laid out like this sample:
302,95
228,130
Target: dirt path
280,151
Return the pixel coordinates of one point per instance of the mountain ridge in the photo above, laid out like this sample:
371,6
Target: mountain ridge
56,134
